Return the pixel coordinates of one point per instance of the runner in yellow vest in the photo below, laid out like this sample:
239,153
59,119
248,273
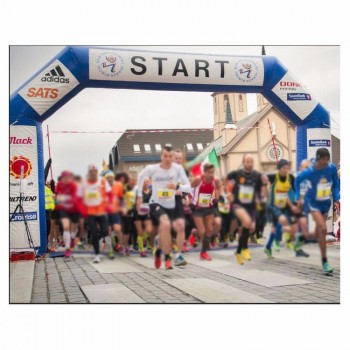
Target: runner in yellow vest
49,208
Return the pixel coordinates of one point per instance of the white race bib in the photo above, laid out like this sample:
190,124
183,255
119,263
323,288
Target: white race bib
323,191
224,208
246,194
144,209
92,197
281,199
204,200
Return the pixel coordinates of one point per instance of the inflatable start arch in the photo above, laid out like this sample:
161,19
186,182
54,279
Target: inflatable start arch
77,68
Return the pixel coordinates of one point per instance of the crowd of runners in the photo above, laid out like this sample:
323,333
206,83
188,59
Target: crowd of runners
167,211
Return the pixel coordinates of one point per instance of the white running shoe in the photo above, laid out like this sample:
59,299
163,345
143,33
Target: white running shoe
330,238
96,259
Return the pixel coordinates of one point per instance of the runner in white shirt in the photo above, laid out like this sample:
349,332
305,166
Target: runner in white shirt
165,178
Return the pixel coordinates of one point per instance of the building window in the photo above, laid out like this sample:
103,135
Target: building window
226,102
148,148
137,148
158,147
215,106
240,103
189,146
200,146
271,152
168,144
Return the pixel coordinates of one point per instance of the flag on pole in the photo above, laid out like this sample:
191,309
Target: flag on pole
211,157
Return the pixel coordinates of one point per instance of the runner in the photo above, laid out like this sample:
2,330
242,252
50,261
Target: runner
165,177
324,182
67,204
81,236
142,218
281,209
248,186
179,223
50,222
206,191
114,219
96,195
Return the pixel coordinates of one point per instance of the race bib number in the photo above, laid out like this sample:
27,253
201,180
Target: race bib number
246,194
63,200
281,199
224,208
323,191
144,209
165,195
204,200
92,198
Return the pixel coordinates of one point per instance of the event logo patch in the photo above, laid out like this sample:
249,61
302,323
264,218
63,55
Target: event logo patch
16,164
298,97
29,216
55,75
110,64
246,71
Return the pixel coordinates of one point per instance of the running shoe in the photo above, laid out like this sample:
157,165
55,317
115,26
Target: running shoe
121,251
327,269
174,248
143,254
111,254
246,254
185,248
168,265
157,259
268,252
192,239
276,246
205,256
52,249
330,238
239,259
154,249
300,252
67,254
72,243
180,261
127,251
96,259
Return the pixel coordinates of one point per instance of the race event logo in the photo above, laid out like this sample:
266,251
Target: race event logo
20,141
298,97
289,85
110,64
246,71
16,164
319,143
29,216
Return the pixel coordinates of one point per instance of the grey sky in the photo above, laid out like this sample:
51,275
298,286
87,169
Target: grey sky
317,67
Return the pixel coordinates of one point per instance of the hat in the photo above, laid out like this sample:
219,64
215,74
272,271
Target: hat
66,173
281,163
109,173
92,167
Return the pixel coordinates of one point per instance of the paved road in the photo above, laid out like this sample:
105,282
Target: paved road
285,279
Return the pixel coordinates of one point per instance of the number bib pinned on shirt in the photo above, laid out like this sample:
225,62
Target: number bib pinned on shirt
323,191
165,195
224,208
281,199
204,200
92,197
144,209
246,194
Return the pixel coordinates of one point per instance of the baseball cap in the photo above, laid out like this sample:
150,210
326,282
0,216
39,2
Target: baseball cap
92,167
281,163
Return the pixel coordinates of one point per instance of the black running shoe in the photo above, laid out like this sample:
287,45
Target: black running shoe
300,252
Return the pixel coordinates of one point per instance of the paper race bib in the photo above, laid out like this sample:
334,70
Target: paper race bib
281,199
204,200
92,197
224,208
246,194
63,200
144,209
323,191
165,195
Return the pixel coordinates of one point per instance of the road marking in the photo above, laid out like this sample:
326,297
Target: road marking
114,266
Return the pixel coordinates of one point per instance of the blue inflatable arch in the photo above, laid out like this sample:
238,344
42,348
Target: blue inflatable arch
78,67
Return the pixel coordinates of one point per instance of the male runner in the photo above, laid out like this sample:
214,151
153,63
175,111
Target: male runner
249,185
165,177
97,198
324,183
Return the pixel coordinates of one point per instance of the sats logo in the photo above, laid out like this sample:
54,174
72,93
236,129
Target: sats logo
18,165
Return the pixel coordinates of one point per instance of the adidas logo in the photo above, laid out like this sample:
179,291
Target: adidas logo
55,75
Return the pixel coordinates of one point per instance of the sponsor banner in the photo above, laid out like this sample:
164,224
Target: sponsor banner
119,65
48,87
295,96
316,138
24,158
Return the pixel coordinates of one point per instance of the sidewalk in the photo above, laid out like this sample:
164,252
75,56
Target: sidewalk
285,279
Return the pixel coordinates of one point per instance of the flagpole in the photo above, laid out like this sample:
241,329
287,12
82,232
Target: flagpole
48,142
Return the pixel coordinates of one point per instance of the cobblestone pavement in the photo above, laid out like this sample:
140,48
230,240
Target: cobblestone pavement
58,281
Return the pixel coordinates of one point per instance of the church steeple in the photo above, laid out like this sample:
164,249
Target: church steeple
228,119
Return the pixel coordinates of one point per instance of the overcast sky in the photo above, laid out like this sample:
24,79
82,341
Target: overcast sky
316,67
